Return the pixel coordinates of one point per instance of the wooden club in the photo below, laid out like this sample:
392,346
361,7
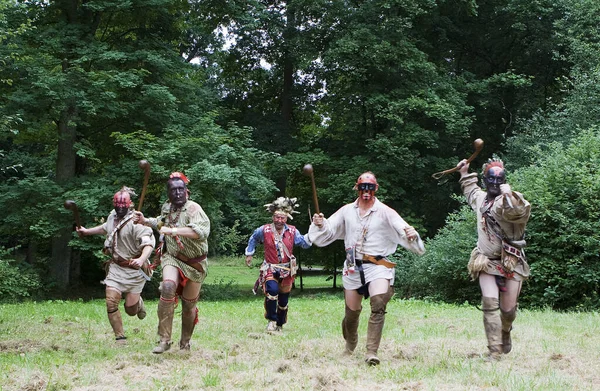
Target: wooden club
478,144
308,170
72,206
144,165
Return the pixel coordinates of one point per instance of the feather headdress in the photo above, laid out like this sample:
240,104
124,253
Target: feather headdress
283,204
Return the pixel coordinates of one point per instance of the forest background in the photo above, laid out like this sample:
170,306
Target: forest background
239,95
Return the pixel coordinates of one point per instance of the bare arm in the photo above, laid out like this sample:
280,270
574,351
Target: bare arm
185,232
82,231
146,251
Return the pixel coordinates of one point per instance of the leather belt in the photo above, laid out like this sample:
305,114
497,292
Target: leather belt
193,262
378,260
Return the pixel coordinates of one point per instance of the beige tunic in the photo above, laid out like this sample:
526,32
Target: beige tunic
191,215
378,232
486,256
130,240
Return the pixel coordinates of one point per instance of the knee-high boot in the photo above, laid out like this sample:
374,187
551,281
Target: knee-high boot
376,322
137,309
166,310
189,319
113,299
492,325
507,318
350,329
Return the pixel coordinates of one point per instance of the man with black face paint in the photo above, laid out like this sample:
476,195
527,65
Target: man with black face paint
184,230
498,261
129,247
371,232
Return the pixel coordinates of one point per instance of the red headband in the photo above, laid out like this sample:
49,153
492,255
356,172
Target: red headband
179,175
495,163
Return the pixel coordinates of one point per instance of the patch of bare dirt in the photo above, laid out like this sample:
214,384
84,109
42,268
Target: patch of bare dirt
328,379
19,347
36,383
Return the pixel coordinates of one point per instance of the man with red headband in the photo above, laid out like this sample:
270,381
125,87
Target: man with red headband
371,232
278,269
184,230
129,247
498,261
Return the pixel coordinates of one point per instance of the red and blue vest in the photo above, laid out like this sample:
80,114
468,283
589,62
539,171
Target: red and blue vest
271,253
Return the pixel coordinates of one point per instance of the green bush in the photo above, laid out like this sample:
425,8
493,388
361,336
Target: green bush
563,241
18,280
441,273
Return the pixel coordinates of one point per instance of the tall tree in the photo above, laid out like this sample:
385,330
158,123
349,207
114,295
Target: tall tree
388,107
346,77
508,54
88,69
267,72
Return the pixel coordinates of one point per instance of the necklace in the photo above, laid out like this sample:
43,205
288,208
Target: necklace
172,222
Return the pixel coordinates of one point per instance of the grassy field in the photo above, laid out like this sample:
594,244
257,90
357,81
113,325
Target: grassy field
58,345
231,272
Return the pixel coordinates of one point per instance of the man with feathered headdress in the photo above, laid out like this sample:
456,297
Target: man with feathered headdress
278,269
498,260
129,247
184,230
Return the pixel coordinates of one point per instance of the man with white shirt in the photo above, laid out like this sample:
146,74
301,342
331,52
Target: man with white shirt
371,232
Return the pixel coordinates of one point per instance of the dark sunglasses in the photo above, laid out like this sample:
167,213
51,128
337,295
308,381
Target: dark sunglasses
367,186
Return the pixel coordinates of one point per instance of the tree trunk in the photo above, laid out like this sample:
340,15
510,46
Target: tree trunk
61,267
85,21
60,270
30,254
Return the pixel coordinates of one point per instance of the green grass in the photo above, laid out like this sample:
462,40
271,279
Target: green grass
233,276
59,345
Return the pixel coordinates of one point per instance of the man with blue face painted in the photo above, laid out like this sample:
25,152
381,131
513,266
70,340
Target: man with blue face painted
498,260
184,228
371,232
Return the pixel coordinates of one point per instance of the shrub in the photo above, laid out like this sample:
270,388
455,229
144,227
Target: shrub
564,190
17,279
441,273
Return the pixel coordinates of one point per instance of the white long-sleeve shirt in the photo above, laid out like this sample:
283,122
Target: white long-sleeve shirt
377,233
382,228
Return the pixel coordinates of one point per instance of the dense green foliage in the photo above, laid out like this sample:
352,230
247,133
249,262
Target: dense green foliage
18,278
441,274
557,151
563,229
241,94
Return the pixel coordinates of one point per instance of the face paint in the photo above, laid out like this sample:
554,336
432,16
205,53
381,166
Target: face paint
121,202
177,192
493,179
366,186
